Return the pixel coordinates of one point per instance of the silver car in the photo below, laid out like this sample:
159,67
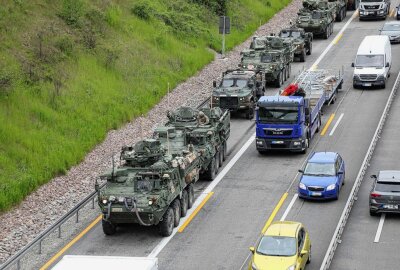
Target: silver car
385,193
392,30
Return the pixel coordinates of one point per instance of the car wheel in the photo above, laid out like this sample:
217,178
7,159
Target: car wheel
109,228
337,193
344,177
373,213
176,205
309,256
184,203
167,224
303,55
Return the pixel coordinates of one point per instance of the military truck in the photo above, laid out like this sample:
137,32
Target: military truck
238,91
208,135
151,187
317,17
302,41
341,9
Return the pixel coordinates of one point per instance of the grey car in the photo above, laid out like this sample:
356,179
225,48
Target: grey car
385,193
392,30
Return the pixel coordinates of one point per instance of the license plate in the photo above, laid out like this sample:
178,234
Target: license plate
116,210
391,206
277,142
367,84
316,193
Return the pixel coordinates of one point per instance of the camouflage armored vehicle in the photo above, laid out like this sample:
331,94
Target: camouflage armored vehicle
302,41
318,22
341,9
238,91
207,130
152,187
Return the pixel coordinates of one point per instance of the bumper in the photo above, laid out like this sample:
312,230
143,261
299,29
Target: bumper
317,195
316,30
360,83
126,217
372,14
294,145
384,208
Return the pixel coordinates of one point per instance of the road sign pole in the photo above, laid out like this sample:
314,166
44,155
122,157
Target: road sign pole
223,40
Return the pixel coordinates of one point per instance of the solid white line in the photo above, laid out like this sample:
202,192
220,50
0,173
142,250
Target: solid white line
333,41
210,187
289,207
380,227
336,125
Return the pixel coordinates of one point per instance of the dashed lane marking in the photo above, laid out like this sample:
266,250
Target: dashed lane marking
380,227
336,125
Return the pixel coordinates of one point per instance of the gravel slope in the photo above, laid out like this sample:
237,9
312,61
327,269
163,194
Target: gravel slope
48,203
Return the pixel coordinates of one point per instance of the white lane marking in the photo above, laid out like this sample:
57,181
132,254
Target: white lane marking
210,187
333,41
336,125
380,227
289,207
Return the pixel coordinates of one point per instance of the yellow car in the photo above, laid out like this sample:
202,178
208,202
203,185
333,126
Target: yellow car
285,245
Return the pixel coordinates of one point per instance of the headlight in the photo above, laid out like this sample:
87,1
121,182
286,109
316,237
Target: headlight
112,198
253,266
331,187
241,99
216,98
259,142
381,77
292,267
121,199
150,202
302,186
105,201
296,143
380,11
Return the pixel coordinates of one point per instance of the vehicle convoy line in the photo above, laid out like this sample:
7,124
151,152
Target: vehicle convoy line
352,197
380,227
336,125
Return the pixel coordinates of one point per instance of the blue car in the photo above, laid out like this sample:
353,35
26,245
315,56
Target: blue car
322,176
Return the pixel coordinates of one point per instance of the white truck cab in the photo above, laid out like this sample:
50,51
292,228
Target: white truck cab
373,62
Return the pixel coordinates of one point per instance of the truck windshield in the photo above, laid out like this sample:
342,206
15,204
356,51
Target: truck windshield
316,15
267,58
234,83
369,60
147,184
278,115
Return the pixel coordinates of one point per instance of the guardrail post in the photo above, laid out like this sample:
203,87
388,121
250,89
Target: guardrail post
40,247
93,203
77,216
59,231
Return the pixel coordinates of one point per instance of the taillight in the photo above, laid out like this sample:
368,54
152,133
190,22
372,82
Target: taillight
375,195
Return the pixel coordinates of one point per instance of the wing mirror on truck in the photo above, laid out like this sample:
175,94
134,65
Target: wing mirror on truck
214,84
352,64
373,176
387,64
301,171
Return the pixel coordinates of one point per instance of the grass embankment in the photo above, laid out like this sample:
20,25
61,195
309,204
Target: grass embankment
70,70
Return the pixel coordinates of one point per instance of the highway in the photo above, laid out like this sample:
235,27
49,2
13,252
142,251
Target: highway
251,187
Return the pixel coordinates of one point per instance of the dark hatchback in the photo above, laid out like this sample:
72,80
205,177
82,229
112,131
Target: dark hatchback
385,193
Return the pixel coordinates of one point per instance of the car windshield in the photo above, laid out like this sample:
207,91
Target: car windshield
234,83
369,60
278,114
277,246
267,58
391,27
320,169
387,187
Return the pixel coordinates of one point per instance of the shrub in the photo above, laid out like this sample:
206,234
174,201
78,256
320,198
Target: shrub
72,11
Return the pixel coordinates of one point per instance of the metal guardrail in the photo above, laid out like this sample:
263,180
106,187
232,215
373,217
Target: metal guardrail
16,258
353,195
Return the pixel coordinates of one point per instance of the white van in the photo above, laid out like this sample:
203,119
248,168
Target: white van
373,62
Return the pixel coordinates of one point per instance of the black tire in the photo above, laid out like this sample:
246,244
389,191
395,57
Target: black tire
166,225
250,112
221,155
338,193
190,191
383,86
184,203
284,74
176,206
210,173
303,55
289,70
225,151
309,52
309,257
279,79
319,124
261,152
372,213
109,228
326,33
344,178
217,165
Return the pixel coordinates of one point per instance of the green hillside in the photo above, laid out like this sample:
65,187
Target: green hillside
70,70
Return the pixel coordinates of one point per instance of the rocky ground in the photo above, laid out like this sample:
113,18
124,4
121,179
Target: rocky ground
43,207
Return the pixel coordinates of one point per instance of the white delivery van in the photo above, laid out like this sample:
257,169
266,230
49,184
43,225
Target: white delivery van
78,262
373,62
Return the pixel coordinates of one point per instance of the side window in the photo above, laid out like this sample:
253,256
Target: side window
300,240
337,165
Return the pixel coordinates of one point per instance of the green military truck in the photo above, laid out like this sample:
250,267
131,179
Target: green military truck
302,41
341,9
238,91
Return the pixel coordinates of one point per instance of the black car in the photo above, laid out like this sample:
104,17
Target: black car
385,193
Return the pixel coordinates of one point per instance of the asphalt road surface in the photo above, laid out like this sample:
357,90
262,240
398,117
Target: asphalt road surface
243,199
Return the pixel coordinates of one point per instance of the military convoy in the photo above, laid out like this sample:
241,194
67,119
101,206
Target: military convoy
317,17
238,91
302,41
154,183
341,9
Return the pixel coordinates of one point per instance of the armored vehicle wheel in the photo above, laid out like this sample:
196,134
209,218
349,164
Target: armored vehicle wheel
184,203
303,55
250,112
221,155
309,49
190,192
217,164
285,76
176,206
109,228
167,224
210,173
279,79
326,33
289,70
319,123
225,150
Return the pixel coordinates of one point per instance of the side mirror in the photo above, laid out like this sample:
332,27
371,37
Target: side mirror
339,173
301,171
352,64
303,252
252,249
373,176
214,84
250,85
387,64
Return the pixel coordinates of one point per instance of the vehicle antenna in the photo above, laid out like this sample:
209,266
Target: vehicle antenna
168,143
113,167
